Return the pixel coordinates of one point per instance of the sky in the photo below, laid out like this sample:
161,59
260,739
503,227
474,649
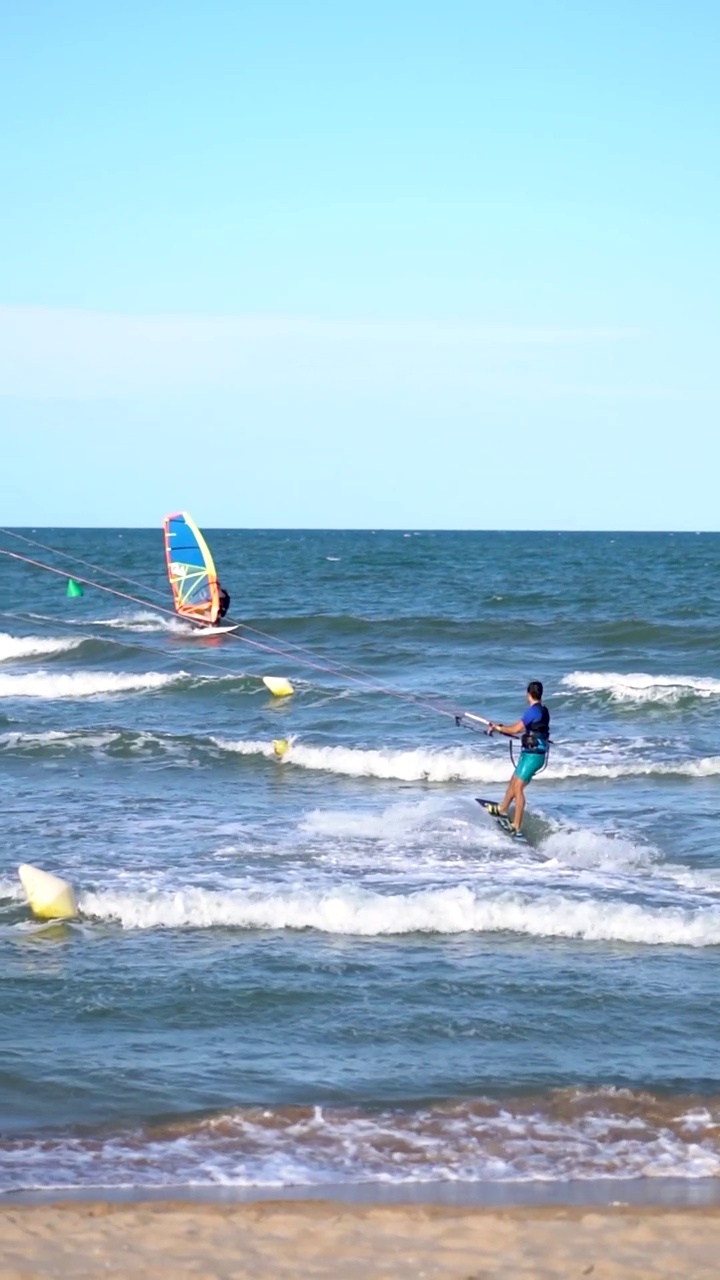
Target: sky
428,265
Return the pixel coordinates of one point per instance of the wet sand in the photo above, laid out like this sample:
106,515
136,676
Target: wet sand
320,1240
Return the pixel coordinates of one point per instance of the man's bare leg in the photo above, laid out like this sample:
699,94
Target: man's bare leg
519,804
510,795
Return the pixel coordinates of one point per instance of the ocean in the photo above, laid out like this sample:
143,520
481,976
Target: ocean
334,968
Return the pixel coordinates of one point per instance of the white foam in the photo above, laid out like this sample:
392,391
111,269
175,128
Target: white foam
51,737
145,620
81,740
12,889
413,765
704,767
245,747
638,686
457,764
584,848
419,838
83,684
417,764
415,840
14,647
395,822
350,911
606,1134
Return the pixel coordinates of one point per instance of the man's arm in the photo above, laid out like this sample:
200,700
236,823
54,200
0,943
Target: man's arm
509,729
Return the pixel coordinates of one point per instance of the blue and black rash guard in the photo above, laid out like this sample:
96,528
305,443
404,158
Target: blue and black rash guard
537,728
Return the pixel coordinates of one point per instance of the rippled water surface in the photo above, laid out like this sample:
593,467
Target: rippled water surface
334,967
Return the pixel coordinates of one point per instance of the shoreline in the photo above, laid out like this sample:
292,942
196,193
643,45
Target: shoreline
602,1193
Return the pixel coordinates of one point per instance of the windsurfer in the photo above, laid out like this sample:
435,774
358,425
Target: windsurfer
197,594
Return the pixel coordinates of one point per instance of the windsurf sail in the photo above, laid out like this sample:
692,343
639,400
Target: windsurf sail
191,570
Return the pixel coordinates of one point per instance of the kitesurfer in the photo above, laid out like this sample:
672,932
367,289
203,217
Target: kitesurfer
224,600
534,729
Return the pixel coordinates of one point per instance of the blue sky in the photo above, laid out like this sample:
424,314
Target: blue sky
397,264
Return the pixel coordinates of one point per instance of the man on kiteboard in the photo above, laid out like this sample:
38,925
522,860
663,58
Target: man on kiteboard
534,728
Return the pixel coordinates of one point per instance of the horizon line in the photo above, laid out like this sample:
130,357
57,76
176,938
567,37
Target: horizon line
404,528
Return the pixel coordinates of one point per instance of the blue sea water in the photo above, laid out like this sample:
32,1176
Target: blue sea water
334,967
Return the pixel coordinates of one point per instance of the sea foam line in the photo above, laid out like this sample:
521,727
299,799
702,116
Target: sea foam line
59,741
83,684
146,620
603,1134
366,913
14,647
412,765
638,686
457,764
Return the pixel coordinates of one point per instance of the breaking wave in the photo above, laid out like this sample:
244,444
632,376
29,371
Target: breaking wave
15,647
367,913
561,1135
102,742
83,684
412,765
145,620
10,890
458,765
640,687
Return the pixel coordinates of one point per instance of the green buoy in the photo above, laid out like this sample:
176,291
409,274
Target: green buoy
73,589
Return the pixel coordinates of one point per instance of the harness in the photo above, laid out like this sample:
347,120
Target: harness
532,739
536,737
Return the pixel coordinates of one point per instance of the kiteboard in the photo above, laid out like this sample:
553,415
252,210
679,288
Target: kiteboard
502,820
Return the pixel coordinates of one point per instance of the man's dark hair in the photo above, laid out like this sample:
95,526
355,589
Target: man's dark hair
535,689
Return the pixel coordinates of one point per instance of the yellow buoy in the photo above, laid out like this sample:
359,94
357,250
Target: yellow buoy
278,686
50,898
281,746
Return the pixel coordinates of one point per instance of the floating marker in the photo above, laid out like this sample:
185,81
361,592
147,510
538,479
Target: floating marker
50,898
278,686
281,746
74,590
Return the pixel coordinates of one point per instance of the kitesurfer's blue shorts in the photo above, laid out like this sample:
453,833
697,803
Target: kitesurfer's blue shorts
529,764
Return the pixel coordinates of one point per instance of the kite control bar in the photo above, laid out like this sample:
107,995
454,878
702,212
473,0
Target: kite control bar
470,721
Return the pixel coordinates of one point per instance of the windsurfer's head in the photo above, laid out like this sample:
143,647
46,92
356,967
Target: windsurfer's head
535,690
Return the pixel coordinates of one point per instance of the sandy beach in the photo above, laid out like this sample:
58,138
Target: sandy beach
318,1241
